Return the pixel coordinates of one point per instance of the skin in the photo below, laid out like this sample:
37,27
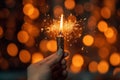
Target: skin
51,68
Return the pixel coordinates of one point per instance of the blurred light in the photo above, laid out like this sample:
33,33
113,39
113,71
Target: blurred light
88,6
109,33
35,14
72,18
9,34
10,3
43,45
75,69
1,31
88,40
24,56
52,45
79,9
28,9
102,26
92,23
37,57
31,29
58,10
23,36
103,67
99,41
44,9
116,71
30,42
69,4
106,12
93,66
103,52
115,59
12,49
4,65
77,60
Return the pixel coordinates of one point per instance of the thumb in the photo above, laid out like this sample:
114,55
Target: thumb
55,58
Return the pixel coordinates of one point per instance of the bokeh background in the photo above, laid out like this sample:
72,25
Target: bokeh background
93,46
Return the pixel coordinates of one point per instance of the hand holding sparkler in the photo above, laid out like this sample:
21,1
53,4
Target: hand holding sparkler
51,68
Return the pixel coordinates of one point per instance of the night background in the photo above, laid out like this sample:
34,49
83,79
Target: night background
28,31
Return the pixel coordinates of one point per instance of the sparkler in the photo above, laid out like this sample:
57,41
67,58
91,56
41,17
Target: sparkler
60,38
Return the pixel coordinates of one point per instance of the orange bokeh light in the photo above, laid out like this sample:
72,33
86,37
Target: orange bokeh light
52,45
77,60
35,14
43,45
36,57
58,10
69,4
24,56
109,33
99,41
75,69
106,12
115,59
30,42
88,40
23,36
103,67
1,31
93,66
103,52
102,26
12,49
28,9
31,29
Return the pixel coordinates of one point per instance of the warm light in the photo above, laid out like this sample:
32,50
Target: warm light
52,45
24,56
109,33
58,10
43,45
35,14
28,9
31,29
23,36
61,23
103,67
72,18
1,31
69,4
103,52
12,49
106,12
102,26
30,42
4,65
115,59
93,66
77,60
36,57
99,40
79,9
88,40
75,69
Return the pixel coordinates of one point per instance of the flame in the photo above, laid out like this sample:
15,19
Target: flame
61,24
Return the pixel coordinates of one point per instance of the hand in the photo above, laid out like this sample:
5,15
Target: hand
51,68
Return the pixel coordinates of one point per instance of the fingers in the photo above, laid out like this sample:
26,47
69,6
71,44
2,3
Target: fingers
55,58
